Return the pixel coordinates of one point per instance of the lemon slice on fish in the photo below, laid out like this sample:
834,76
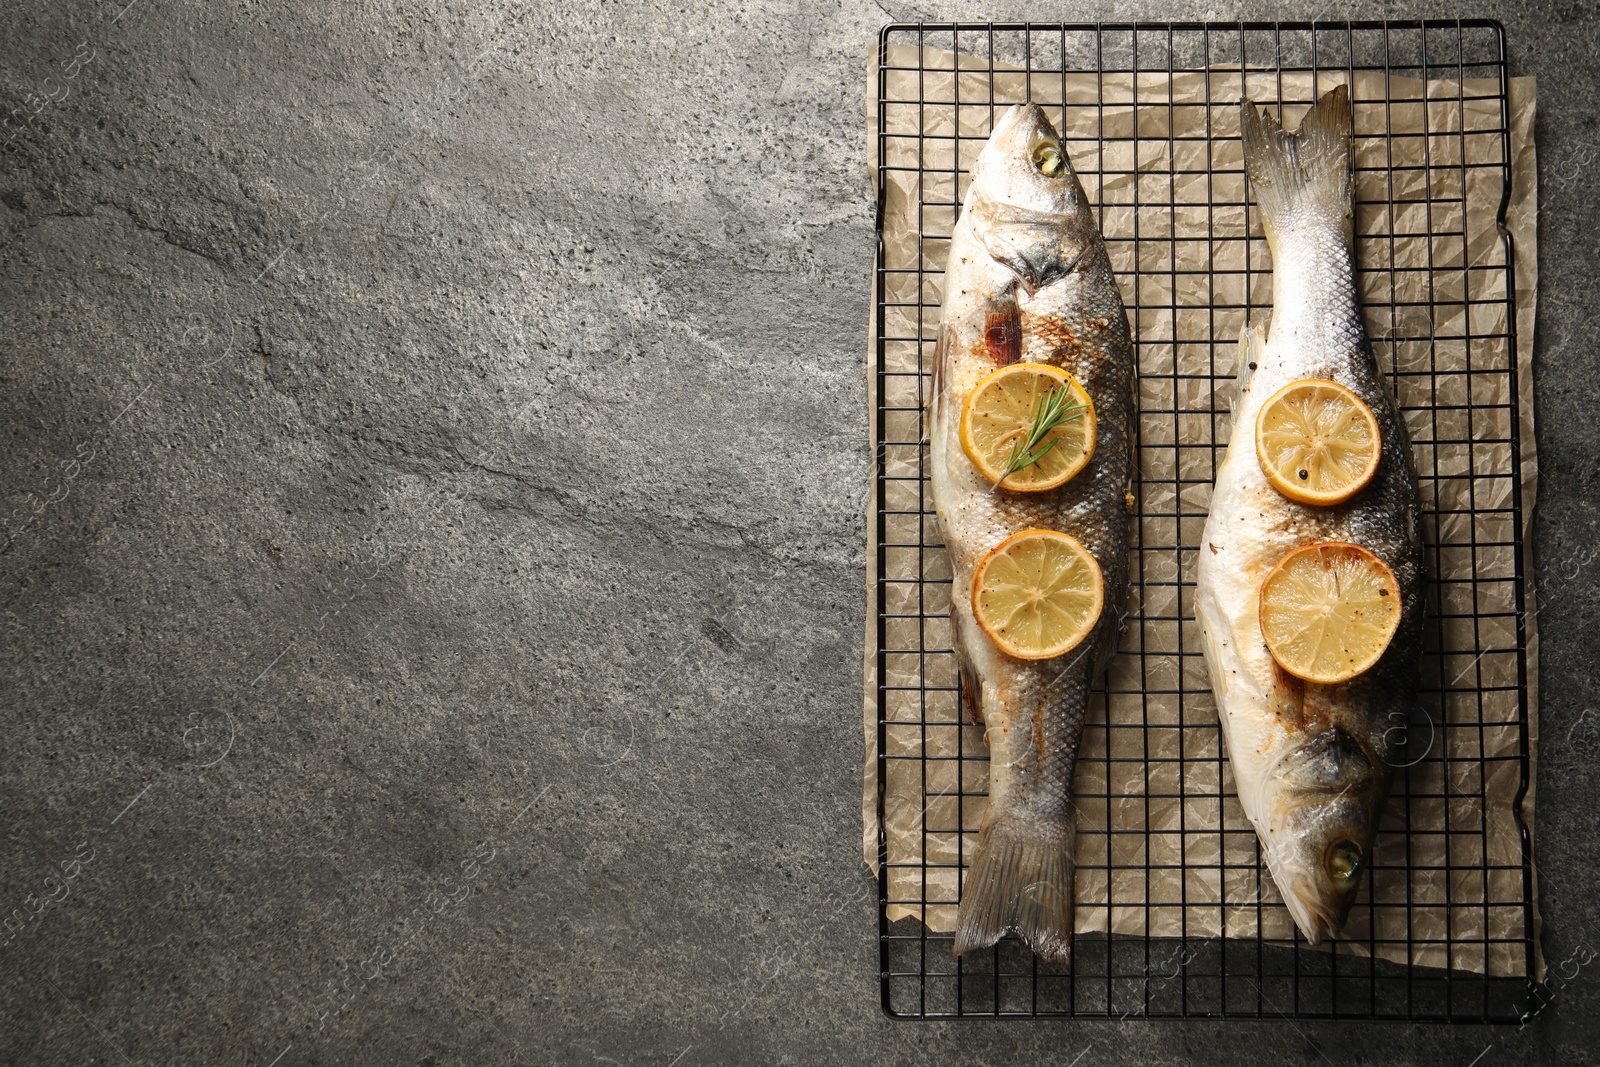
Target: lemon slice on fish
1037,594
1004,409
1318,443
1329,610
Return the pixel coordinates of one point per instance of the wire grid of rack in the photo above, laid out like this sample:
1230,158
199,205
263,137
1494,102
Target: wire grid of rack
1465,435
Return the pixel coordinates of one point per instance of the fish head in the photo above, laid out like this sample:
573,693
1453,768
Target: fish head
1321,802
1025,204
1025,165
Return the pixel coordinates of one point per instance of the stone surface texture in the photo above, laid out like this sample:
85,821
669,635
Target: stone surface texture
433,636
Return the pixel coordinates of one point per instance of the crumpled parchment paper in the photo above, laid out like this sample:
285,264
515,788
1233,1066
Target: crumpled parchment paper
1164,848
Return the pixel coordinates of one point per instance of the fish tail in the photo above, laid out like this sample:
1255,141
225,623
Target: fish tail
1021,879
1302,177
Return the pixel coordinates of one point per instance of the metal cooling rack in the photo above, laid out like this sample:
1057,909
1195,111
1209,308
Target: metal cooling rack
1473,613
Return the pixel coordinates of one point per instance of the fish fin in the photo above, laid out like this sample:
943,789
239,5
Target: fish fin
970,680
1021,879
1252,342
943,352
1301,177
970,697
1213,655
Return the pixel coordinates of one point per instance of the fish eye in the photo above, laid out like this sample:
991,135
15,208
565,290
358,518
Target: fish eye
1344,860
1049,160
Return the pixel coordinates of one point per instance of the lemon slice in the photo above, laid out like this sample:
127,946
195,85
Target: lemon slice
1037,594
1329,610
1317,442
999,415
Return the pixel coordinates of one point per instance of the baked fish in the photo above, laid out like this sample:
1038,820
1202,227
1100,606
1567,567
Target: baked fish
1312,551
1028,285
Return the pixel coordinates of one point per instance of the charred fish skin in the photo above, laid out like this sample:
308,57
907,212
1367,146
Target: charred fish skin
1028,279
1312,763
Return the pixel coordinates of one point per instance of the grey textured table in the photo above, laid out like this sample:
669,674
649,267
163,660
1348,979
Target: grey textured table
434,633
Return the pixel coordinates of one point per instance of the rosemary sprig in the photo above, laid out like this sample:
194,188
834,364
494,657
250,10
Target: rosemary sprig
1051,410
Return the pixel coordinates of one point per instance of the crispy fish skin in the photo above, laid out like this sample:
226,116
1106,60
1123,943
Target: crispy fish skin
1312,763
1028,279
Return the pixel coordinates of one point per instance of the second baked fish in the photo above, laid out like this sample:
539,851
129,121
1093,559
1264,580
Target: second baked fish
1309,586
